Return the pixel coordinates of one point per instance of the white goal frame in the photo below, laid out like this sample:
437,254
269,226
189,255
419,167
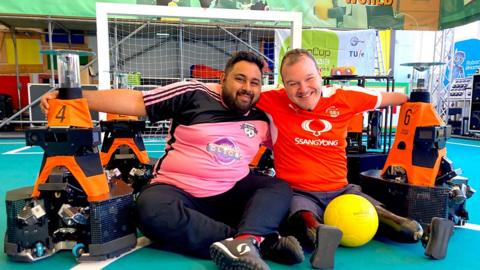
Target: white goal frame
106,9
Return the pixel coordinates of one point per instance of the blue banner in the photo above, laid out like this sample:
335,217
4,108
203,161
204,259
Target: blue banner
466,60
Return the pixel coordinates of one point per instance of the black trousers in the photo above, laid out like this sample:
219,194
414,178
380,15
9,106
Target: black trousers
186,224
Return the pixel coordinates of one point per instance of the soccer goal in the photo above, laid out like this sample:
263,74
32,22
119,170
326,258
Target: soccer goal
155,45
143,46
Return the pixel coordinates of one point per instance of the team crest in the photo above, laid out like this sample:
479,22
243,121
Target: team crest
249,129
332,111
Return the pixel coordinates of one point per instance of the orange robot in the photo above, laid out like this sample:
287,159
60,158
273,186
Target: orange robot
419,145
418,180
123,149
72,204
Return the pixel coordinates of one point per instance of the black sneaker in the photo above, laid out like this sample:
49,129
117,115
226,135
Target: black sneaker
237,254
285,250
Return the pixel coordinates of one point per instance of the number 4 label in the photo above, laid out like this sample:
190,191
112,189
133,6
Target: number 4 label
61,113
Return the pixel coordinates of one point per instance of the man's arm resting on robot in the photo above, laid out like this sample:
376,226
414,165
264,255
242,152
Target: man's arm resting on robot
117,101
120,101
393,99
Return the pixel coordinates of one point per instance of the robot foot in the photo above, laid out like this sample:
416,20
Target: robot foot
436,240
328,239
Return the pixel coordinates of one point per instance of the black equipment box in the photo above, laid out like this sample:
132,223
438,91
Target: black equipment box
417,202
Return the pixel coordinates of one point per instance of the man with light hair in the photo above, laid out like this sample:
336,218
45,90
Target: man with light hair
309,127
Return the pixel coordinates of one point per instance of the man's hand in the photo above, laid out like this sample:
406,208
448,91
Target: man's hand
44,100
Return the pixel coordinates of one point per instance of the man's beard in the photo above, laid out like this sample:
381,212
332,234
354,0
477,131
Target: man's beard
235,105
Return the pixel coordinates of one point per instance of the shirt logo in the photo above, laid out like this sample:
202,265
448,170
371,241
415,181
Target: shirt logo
249,129
332,111
316,126
225,151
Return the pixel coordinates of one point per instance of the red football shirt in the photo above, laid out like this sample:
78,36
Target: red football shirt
309,146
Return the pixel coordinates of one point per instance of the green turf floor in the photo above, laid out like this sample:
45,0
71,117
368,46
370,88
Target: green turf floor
19,166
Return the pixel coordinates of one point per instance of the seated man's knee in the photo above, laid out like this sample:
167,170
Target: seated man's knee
157,213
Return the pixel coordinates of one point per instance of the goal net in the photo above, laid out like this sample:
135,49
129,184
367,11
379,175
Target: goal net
142,47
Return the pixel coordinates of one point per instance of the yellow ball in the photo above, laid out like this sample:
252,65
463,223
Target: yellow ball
355,216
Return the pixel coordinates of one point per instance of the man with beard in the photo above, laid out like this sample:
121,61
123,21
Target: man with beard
203,200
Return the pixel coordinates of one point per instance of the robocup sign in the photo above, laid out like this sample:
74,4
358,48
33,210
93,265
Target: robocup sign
352,52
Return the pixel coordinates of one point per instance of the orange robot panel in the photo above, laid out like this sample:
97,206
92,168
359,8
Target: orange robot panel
416,128
141,154
95,185
69,113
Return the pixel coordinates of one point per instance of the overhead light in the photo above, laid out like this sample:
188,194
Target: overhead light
163,34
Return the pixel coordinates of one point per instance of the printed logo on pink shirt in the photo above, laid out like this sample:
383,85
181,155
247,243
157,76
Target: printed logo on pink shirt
225,151
249,129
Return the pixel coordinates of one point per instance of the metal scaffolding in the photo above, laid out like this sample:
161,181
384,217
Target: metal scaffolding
440,82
